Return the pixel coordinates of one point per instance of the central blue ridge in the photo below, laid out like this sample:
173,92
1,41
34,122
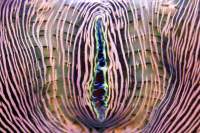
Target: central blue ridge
99,88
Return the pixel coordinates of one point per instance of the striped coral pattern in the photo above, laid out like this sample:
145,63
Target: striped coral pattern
102,66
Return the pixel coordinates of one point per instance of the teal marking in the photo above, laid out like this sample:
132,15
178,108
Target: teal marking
99,85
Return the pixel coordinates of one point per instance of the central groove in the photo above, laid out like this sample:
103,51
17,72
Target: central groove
100,86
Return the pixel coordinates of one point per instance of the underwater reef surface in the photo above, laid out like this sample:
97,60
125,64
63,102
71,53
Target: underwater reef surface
107,66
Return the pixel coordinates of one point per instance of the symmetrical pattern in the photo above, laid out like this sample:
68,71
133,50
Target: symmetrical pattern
79,66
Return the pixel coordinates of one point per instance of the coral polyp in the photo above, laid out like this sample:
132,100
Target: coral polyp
107,66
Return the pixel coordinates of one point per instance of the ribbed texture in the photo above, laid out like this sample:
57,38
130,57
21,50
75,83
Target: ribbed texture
108,66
